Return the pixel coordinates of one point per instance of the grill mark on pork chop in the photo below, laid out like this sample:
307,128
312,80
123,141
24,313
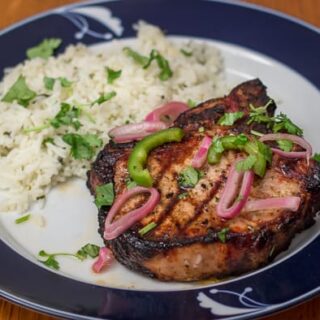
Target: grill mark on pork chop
185,245
199,209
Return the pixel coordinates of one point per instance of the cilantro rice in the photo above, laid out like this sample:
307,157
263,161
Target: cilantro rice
78,96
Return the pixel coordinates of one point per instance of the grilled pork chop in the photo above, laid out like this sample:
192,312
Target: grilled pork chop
187,243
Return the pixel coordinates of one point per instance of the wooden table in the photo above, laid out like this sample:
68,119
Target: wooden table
14,10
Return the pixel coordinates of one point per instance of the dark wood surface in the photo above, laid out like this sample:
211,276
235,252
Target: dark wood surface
15,10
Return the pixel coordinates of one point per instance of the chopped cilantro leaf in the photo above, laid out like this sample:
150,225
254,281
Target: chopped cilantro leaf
65,83
130,183
228,119
90,250
49,83
163,64
283,123
51,262
189,177
105,97
82,146
104,195
185,52
137,57
316,157
23,219
45,49
19,92
222,234
112,75
285,145
246,164
147,228
183,195
66,116
48,140
260,114
191,103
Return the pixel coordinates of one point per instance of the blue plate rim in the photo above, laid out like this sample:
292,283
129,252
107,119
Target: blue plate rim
229,2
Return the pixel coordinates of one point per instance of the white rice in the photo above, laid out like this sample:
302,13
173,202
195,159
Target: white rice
28,168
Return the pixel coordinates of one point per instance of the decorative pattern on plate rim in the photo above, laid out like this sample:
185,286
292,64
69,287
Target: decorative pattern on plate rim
79,17
222,310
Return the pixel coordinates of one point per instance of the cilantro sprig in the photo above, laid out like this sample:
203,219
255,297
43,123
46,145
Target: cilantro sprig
163,64
145,62
87,251
20,92
283,123
82,146
260,114
67,116
44,49
136,56
279,123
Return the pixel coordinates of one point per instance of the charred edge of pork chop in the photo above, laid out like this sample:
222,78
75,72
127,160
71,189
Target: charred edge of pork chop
205,258
102,169
194,258
208,113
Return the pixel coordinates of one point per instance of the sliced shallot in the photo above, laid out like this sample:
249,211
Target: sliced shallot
295,139
201,155
168,112
135,131
231,202
105,259
114,229
290,203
